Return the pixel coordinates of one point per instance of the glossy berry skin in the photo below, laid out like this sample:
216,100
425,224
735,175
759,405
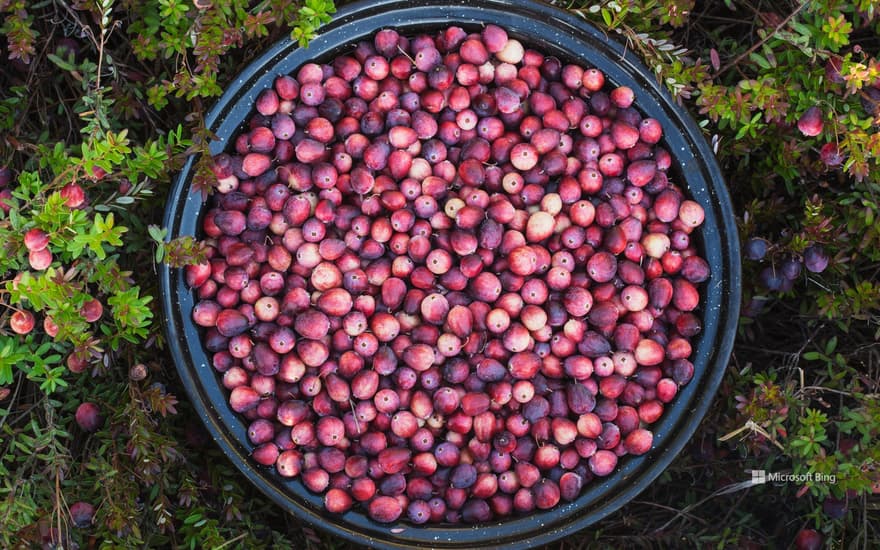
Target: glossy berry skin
791,269
36,239
88,417
384,509
447,278
755,249
816,260
40,260
92,310
73,194
810,123
22,322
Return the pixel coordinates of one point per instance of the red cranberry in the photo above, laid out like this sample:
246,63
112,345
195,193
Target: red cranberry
82,514
88,417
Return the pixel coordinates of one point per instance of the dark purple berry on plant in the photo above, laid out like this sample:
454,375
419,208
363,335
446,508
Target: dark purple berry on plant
834,508
754,307
756,248
787,285
870,97
772,278
831,155
832,70
5,176
791,269
82,514
816,259
89,417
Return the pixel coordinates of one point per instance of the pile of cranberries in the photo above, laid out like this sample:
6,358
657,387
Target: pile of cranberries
449,278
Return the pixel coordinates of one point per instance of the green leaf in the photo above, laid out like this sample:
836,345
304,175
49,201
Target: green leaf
192,519
760,61
157,233
62,63
831,345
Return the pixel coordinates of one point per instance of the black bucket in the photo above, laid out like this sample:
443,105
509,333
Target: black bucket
553,32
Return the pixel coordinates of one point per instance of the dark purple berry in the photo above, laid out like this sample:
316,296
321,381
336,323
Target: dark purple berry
756,249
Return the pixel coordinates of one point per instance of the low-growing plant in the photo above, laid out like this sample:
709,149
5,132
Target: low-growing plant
86,157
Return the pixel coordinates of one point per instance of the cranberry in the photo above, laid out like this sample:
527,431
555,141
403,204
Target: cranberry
384,509
407,313
810,123
22,322
36,239
88,417
82,514
808,539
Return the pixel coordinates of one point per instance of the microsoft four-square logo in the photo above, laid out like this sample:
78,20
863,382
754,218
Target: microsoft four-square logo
759,477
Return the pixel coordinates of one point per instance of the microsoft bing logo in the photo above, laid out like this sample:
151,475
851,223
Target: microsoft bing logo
759,477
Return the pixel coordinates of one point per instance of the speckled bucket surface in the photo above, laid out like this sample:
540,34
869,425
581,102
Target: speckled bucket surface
553,32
